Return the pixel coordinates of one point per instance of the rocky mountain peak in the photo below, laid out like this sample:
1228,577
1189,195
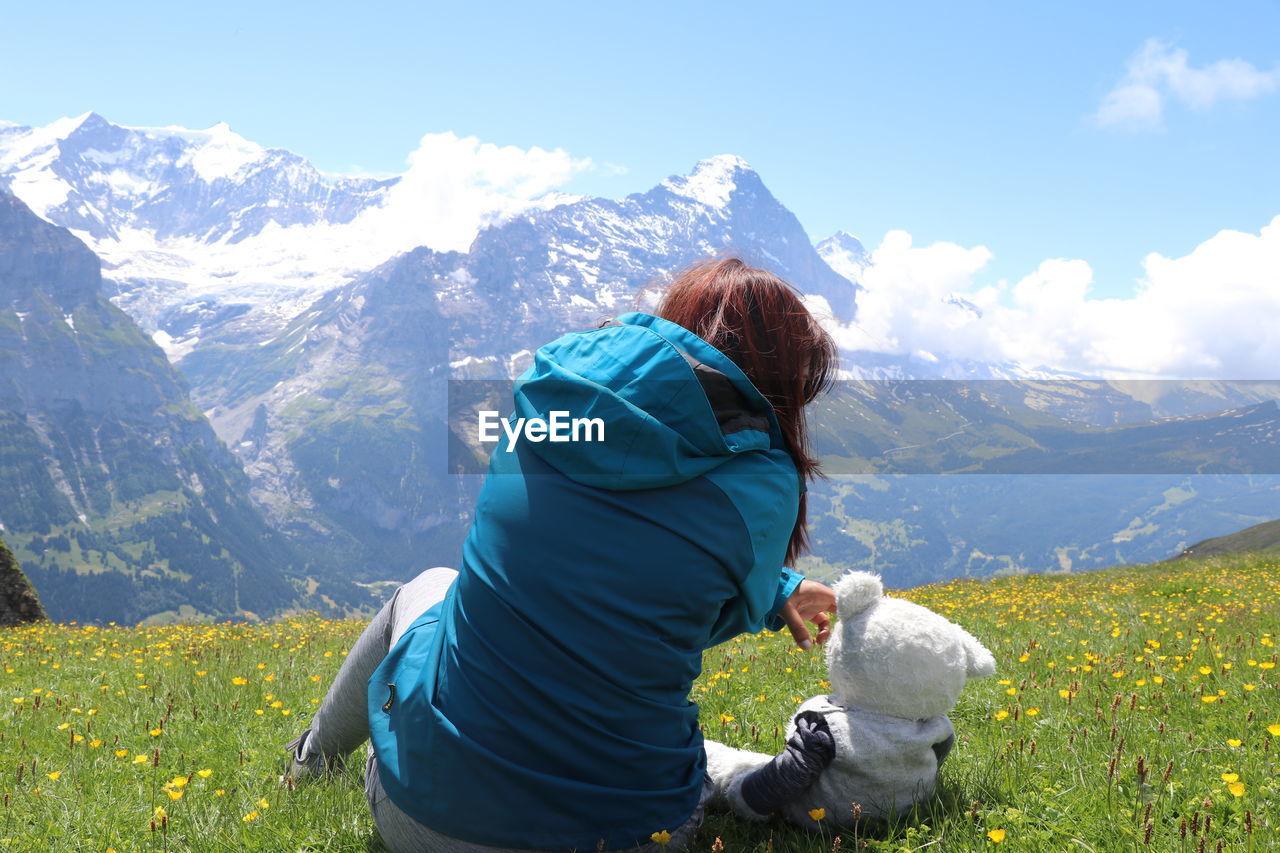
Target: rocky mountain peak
712,181
36,256
108,181
18,601
845,254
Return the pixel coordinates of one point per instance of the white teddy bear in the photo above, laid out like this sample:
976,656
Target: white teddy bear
896,669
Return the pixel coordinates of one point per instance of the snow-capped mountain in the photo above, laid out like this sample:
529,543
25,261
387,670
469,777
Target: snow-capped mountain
365,367
198,227
185,219
845,254
209,186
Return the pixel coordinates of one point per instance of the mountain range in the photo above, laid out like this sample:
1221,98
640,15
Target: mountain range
273,360
119,499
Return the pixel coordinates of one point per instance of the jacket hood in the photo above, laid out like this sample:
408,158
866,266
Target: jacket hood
672,406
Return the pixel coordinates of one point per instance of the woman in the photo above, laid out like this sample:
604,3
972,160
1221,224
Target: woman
538,698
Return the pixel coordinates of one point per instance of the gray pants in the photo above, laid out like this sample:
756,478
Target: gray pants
342,725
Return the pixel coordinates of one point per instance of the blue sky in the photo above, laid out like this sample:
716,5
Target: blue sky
972,123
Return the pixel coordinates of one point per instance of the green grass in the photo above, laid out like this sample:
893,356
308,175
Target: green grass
1100,674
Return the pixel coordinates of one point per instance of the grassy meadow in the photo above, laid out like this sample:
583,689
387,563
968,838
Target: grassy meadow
1133,709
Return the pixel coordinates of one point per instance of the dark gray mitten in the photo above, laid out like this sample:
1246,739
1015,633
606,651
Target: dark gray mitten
791,772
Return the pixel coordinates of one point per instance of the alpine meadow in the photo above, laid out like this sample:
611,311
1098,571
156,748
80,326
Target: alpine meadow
1135,708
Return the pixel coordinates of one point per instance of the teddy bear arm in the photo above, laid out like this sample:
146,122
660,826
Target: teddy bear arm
809,751
754,786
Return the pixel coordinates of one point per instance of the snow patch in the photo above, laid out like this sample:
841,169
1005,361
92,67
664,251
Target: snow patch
41,142
222,152
845,254
462,277
96,155
42,192
122,182
518,361
175,349
711,182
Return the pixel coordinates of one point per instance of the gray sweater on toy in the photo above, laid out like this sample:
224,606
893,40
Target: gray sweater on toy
872,748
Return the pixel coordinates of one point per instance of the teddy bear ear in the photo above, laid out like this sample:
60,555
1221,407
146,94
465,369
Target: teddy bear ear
856,591
979,662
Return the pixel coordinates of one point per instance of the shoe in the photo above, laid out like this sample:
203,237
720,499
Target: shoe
304,764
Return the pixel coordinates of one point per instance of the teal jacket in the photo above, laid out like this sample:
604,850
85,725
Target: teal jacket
545,702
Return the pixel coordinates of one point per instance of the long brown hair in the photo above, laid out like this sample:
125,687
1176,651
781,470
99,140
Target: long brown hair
758,321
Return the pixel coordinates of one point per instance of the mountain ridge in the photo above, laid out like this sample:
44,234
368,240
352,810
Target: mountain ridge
1258,538
326,370
120,500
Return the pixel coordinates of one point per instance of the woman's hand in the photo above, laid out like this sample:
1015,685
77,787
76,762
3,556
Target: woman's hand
811,602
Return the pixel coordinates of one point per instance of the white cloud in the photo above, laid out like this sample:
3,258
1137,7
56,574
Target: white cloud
452,188
900,278
1213,313
1159,71
456,185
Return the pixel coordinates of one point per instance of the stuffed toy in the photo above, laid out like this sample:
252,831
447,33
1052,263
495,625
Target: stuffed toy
872,748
